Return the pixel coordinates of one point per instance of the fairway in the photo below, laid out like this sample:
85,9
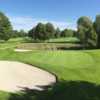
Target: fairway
67,65
49,50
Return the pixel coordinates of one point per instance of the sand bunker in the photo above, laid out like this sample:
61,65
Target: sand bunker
16,76
22,50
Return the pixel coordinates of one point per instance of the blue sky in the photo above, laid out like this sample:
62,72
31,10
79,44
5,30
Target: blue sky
24,14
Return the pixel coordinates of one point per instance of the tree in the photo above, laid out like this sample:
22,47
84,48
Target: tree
31,33
20,33
57,33
5,27
75,34
67,33
39,32
50,30
86,32
97,29
14,33
42,31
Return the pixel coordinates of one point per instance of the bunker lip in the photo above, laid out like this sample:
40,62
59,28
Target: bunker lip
16,76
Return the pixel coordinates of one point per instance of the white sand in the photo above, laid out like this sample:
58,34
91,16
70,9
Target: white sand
22,50
15,76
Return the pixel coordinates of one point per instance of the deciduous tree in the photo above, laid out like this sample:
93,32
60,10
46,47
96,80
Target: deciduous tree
5,27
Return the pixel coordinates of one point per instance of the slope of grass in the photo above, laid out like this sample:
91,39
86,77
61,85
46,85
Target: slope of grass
67,65
83,66
13,42
4,95
64,40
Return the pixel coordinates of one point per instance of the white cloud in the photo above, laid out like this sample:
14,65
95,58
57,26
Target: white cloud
27,23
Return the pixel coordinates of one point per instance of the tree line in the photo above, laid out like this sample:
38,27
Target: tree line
46,31
87,31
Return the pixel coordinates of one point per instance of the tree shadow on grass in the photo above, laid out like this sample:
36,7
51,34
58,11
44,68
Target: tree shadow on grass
72,90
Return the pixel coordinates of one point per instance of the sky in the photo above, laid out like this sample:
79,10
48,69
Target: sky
25,14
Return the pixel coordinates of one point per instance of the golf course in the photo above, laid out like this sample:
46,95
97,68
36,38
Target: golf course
74,66
49,50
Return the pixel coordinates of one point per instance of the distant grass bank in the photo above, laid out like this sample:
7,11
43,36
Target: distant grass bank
64,40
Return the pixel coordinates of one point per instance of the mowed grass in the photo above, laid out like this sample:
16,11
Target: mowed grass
67,65
13,43
64,40
81,65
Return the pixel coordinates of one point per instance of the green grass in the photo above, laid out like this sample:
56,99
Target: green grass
67,65
20,40
64,40
4,96
13,43
25,43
